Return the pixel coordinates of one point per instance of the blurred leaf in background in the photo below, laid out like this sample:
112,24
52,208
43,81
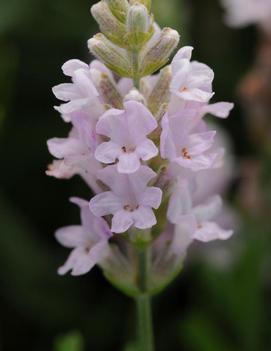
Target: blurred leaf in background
72,341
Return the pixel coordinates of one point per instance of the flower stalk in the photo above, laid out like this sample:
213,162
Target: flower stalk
145,329
143,301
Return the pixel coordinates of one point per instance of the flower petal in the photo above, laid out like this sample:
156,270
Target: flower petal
167,145
128,162
105,203
220,109
71,66
147,150
113,125
180,202
95,228
60,170
108,152
66,92
210,231
185,53
144,218
209,210
183,234
73,106
125,85
71,236
200,142
121,221
96,254
151,197
140,120
63,147
82,79
196,94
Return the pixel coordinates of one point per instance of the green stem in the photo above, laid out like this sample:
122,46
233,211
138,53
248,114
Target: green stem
144,317
135,65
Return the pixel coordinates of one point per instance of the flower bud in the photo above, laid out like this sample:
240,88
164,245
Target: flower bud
139,25
146,3
109,25
109,92
156,56
119,8
135,95
159,96
113,57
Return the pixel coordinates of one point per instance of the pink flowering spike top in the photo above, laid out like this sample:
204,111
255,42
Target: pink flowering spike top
192,81
186,148
127,130
81,94
129,200
89,241
140,141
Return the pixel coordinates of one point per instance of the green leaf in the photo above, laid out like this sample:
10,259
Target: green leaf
72,341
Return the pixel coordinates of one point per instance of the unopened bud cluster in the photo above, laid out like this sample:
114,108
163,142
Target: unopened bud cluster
142,145
130,38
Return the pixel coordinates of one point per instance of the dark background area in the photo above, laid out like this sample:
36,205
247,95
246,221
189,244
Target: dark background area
208,308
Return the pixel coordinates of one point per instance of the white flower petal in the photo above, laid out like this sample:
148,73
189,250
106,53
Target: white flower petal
66,92
70,236
210,231
63,147
95,255
219,109
121,221
71,66
209,210
140,120
200,142
143,217
128,162
151,197
180,202
185,53
105,203
108,152
147,150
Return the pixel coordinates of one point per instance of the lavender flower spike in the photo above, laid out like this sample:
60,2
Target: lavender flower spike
141,143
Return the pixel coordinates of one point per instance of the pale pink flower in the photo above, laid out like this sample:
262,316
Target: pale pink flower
81,94
76,153
127,130
181,143
191,81
200,221
130,199
89,241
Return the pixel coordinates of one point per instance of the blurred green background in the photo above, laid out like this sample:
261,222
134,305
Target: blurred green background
209,307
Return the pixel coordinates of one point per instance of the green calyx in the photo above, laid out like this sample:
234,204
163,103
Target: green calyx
131,45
